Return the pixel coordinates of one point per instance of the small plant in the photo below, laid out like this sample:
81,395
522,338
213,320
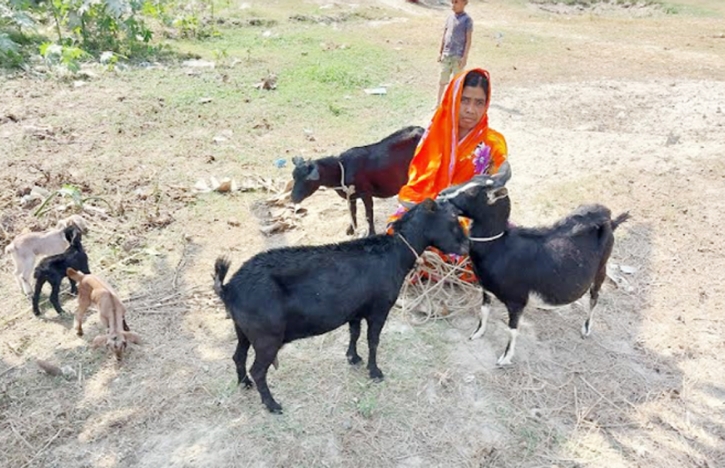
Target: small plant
71,191
335,110
60,55
367,406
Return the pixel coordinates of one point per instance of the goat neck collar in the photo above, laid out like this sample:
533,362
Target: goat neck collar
418,258
487,239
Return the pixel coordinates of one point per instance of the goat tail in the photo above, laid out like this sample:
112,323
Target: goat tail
620,219
74,275
221,268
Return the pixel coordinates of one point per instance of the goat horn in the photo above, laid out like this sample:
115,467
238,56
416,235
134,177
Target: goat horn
504,173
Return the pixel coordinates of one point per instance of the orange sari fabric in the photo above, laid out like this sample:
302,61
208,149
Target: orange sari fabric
441,161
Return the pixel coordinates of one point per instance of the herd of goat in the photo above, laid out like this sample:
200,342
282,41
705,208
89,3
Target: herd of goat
289,293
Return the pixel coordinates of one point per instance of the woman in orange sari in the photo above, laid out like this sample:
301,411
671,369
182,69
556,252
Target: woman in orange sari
457,145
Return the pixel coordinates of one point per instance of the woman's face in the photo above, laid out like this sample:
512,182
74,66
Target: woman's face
473,106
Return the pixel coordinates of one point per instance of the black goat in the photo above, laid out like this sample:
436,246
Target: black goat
378,170
53,269
558,263
290,293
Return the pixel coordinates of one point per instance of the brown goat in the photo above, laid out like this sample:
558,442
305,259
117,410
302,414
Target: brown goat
93,290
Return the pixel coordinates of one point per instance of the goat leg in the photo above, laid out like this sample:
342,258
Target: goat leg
36,296
594,296
375,326
73,287
83,304
368,202
352,356
515,311
24,283
352,206
240,358
265,351
54,298
483,318
23,270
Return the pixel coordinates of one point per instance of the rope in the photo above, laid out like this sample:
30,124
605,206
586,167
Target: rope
418,259
442,294
348,190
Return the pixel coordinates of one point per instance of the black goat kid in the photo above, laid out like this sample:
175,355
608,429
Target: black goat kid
53,269
377,170
558,264
290,293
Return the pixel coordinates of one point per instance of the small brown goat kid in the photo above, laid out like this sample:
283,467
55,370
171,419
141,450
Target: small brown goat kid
93,290
26,247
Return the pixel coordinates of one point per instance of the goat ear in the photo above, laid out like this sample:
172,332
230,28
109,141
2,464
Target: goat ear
298,161
429,204
68,233
132,337
314,173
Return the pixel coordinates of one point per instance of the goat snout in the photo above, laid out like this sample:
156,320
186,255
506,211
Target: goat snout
118,345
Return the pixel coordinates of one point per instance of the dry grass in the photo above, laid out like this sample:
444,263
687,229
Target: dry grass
639,128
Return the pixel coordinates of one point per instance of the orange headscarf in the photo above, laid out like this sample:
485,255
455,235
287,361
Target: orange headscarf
440,160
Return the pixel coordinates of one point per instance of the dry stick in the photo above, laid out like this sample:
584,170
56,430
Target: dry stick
20,436
9,368
605,398
182,262
50,441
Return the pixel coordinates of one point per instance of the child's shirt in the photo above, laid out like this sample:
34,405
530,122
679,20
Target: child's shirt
454,35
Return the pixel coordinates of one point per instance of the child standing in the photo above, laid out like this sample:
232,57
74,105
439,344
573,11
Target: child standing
455,44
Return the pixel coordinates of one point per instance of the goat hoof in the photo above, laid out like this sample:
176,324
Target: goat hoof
586,330
274,407
350,231
247,383
377,375
354,360
503,362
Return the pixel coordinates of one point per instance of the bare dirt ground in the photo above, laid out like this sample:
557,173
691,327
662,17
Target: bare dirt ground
622,113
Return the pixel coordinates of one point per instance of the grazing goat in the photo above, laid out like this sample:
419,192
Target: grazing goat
93,290
558,264
290,293
377,170
53,269
26,247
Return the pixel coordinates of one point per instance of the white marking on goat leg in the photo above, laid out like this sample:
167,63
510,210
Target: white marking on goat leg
505,358
587,327
25,285
482,321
